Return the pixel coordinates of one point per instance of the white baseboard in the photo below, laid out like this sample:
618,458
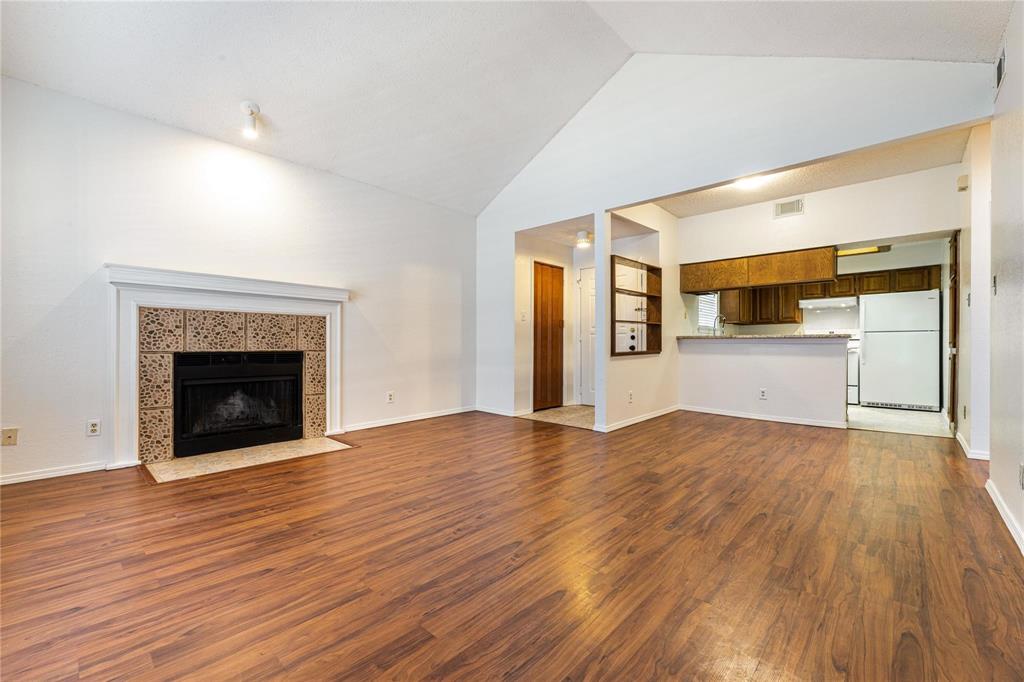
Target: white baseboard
500,412
122,465
966,447
766,417
408,418
1004,511
334,432
52,472
608,428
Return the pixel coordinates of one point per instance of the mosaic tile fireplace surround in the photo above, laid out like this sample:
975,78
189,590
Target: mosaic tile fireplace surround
166,331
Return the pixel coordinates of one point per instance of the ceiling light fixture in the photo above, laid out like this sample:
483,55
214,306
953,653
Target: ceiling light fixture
753,182
863,250
251,111
583,239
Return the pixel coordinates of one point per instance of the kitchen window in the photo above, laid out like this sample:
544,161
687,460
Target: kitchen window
707,312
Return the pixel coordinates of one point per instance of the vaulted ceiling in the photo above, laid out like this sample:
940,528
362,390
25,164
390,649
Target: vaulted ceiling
444,102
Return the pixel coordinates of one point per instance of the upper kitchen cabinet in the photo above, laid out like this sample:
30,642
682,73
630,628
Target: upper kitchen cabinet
791,267
787,305
916,279
874,282
844,285
713,275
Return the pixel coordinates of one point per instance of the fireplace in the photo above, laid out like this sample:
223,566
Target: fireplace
227,400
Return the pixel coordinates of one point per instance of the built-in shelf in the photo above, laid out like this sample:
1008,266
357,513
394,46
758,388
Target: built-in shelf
631,292
642,281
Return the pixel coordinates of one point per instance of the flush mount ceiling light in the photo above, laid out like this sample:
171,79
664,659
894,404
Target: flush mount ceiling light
583,239
251,111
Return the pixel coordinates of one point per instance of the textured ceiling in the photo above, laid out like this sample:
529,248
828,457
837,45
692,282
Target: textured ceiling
883,161
564,232
936,31
444,102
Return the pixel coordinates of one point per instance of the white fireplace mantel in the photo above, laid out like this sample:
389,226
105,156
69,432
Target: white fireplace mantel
134,287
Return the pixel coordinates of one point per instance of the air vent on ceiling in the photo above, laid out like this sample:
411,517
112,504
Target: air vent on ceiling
784,209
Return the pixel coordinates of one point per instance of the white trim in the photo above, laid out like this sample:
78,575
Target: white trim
408,418
1004,511
131,275
334,432
966,447
608,428
52,472
122,465
134,288
502,413
767,417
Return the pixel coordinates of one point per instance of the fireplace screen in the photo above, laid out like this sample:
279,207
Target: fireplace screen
233,400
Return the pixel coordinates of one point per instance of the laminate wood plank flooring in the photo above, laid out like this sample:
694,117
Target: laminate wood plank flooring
473,546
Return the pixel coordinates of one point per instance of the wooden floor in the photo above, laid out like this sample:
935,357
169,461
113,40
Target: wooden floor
475,546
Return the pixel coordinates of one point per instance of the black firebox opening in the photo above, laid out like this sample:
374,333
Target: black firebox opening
234,400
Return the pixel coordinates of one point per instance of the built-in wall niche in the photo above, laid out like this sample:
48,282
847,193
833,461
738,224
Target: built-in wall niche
636,307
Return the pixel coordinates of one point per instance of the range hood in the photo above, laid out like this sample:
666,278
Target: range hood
823,303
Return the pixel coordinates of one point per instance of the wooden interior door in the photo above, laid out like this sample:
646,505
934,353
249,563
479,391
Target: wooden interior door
548,326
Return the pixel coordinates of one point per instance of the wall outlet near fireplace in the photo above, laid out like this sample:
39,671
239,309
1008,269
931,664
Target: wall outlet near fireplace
389,397
10,436
92,427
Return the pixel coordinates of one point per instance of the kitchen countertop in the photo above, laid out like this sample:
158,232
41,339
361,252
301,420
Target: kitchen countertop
762,337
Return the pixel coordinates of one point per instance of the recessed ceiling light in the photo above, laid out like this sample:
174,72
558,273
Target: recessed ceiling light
251,111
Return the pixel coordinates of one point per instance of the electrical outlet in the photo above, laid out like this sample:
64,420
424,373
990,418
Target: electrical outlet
629,397
92,427
10,436
762,394
389,397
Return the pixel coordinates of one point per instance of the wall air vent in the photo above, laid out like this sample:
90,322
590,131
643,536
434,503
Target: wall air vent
784,209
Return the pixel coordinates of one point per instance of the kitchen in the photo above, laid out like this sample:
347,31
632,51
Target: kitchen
878,307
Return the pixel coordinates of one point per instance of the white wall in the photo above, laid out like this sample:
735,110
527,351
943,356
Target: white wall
805,380
84,185
903,255
1007,390
653,379
530,249
975,437
898,206
668,123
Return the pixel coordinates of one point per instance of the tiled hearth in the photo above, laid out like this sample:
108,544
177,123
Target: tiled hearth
165,331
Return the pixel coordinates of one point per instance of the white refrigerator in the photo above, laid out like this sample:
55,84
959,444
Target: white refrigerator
901,350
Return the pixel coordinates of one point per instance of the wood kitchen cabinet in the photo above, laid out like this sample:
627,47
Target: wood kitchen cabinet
873,282
787,305
792,267
764,305
916,279
815,290
713,275
844,285
735,305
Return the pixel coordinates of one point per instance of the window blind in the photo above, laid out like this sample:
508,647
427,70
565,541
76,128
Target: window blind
707,311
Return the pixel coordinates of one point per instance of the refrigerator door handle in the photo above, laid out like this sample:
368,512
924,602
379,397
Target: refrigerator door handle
863,349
